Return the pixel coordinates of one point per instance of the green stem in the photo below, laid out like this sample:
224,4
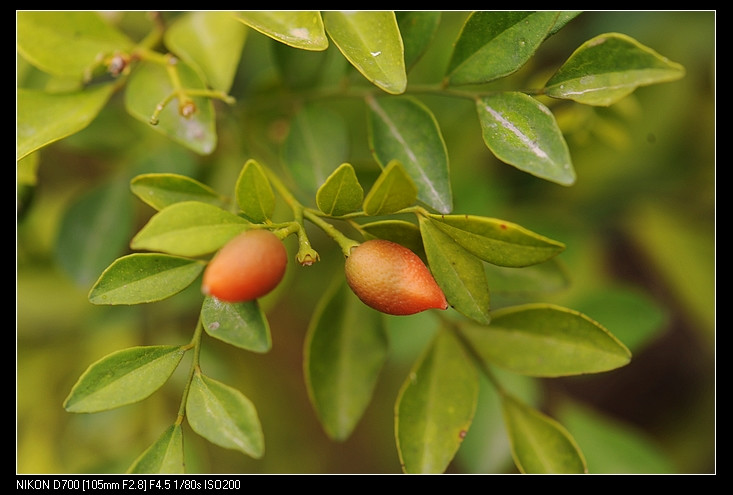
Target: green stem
345,243
306,254
195,368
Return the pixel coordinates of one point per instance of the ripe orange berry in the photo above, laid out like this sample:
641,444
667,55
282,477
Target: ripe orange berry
246,268
392,279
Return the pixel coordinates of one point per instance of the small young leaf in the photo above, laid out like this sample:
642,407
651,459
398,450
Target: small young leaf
459,273
341,193
94,231
211,42
547,340
66,42
392,191
144,277
609,67
371,41
123,377
540,445
254,193
165,456
299,29
242,325
224,416
405,130
435,406
189,228
345,349
316,142
522,132
496,241
47,117
400,231
495,44
150,85
417,29
162,189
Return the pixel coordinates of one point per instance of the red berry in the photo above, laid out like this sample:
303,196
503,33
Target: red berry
392,279
246,268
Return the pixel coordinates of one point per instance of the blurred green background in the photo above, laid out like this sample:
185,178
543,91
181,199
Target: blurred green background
639,225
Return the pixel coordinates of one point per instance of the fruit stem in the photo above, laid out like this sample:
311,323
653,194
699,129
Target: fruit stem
345,243
306,254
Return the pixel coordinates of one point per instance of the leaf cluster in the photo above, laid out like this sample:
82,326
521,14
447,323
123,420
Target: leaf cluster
173,91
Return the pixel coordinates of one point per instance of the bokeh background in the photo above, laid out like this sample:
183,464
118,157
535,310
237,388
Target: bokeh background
639,225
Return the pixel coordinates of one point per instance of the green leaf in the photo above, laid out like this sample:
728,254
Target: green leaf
497,241
243,325
522,132
44,118
392,191
316,143
144,277
404,129
400,231
435,406
371,41
609,67
341,193
495,44
540,445
94,231
67,43
211,42
345,350
165,456
224,416
189,228
299,29
149,86
486,448
612,447
459,273
417,29
123,377
160,190
562,19
546,340
254,193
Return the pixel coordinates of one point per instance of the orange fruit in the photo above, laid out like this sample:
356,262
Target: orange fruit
248,266
392,279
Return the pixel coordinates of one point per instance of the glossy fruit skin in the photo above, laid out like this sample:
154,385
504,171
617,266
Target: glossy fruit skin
248,266
392,279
